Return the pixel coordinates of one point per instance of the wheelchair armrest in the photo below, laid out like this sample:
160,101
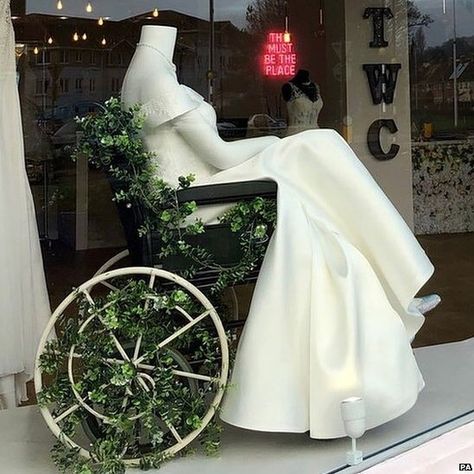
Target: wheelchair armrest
228,192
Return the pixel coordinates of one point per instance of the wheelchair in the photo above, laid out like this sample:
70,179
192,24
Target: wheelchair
167,349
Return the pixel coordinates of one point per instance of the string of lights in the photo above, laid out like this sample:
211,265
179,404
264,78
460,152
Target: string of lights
101,21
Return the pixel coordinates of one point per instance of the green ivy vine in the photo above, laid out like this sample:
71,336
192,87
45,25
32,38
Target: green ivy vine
111,140
112,386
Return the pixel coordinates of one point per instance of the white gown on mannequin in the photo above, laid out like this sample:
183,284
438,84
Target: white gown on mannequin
329,317
303,113
24,304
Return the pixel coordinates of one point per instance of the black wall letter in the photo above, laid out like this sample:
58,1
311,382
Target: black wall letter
373,140
380,75
378,21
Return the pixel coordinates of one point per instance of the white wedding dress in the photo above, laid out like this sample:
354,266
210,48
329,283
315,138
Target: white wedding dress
303,113
330,316
24,304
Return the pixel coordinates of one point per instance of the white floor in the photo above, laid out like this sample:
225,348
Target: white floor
449,374
442,455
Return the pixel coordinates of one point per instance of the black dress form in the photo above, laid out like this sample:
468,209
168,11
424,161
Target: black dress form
304,103
303,82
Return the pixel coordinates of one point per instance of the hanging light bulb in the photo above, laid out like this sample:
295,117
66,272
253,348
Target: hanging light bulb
101,21
89,7
50,40
84,36
75,36
104,41
156,12
35,50
59,5
286,35
444,7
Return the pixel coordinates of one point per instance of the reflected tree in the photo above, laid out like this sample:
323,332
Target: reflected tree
417,22
420,96
416,17
265,15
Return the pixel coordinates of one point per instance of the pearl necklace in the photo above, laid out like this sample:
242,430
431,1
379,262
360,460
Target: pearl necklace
160,53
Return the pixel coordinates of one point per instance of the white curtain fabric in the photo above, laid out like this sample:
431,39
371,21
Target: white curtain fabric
24,304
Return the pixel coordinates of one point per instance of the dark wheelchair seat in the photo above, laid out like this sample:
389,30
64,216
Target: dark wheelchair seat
218,239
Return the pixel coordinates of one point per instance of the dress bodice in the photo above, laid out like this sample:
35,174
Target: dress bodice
174,156
7,41
163,103
303,113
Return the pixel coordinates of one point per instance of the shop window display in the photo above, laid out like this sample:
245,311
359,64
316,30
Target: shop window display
411,128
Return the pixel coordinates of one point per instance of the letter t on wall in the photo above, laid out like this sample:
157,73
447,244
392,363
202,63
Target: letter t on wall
378,15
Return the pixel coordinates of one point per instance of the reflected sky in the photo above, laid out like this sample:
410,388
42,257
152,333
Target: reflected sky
441,29
233,10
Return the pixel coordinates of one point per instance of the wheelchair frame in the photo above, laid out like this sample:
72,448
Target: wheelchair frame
143,252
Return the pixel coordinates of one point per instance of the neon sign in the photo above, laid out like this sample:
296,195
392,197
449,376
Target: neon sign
279,58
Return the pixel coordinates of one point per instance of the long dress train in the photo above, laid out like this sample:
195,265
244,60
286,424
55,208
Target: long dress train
329,318
24,304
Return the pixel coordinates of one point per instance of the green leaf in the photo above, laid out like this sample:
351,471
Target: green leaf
165,216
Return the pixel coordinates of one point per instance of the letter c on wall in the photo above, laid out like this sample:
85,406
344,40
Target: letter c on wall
373,139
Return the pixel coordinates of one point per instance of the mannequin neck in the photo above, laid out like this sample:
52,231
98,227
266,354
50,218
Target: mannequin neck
162,38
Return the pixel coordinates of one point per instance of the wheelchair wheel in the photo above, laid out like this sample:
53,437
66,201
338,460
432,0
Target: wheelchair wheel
112,261
93,427
230,293
169,348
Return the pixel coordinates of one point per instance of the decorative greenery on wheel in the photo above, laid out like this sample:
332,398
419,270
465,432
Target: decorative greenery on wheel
140,362
138,371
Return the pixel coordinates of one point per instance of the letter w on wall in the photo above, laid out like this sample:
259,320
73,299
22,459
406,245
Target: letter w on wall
382,81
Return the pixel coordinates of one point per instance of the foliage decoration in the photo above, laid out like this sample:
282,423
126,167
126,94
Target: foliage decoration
111,140
442,187
140,406
139,415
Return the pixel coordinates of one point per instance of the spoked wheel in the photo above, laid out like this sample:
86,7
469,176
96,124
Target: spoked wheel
111,262
141,359
230,294
94,427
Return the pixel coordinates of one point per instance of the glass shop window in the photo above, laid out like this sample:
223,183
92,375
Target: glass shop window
442,71
394,78
241,58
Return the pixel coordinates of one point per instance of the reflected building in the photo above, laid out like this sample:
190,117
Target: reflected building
85,63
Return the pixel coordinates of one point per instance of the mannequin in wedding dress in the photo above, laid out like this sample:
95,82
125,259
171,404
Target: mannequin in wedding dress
24,304
332,314
304,102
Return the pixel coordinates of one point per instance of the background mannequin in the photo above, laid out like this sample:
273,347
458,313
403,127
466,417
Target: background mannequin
304,103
